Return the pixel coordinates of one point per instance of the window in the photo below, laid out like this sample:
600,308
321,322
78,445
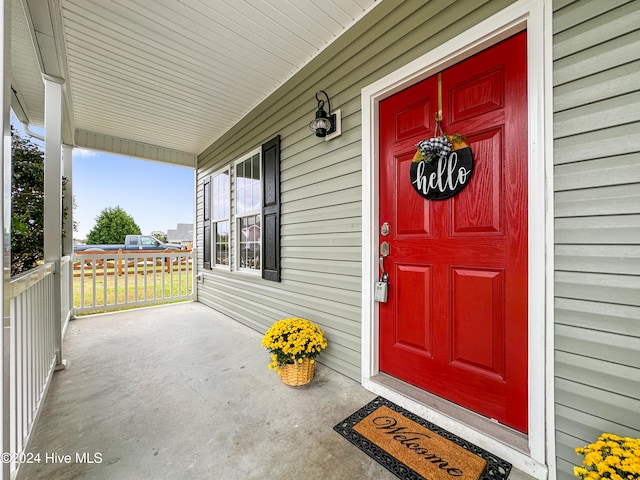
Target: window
248,238
248,208
149,241
220,221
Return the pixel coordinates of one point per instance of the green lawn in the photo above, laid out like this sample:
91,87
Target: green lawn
160,286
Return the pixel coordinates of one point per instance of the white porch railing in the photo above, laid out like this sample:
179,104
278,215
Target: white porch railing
32,352
109,281
104,281
66,277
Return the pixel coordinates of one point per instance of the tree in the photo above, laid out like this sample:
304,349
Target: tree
112,226
27,204
159,235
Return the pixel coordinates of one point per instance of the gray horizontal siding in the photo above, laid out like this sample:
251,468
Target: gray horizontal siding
597,402
612,141
595,116
586,426
605,230
605,200
587,24
588,314
597,226
292,216
614,170
619,80
350,283
601,287
321,182
610,376
597,58
604,346
352,269
616,259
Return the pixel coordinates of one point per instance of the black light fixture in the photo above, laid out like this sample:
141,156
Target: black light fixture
324,124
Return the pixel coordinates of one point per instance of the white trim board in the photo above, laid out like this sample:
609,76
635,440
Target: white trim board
524,14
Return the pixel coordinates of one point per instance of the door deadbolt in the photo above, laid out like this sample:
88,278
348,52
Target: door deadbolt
384,229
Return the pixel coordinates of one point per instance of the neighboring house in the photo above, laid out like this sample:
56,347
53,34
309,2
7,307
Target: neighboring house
513,314
182,234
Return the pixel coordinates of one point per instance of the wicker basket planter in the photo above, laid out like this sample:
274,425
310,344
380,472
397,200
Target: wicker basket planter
294,343
297,374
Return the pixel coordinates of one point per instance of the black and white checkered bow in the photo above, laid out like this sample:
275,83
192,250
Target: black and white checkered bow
434,148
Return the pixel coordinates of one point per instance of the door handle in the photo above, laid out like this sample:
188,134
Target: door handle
384,252
384,249
381,288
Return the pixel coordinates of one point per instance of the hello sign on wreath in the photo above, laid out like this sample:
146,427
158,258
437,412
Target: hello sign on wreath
442,166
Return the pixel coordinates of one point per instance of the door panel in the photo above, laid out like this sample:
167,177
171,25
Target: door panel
471,217
477,321
455,323
478,94
413,119
417,220
415,332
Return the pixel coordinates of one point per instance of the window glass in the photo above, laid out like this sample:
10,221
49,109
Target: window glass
249,242
248,205
221,196
248,185
220,220
221,244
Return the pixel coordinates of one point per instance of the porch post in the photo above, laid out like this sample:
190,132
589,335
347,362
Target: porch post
5,240
53,197
194,237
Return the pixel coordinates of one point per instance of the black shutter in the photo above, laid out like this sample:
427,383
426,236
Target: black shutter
271,209
206,222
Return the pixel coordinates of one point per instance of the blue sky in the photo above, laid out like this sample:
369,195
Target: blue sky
157,196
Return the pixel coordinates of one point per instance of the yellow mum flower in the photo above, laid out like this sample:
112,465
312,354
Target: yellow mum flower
293,339
610,457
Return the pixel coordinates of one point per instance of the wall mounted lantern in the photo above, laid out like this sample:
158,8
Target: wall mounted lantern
325,123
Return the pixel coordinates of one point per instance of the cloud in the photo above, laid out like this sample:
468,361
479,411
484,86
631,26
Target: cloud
84,153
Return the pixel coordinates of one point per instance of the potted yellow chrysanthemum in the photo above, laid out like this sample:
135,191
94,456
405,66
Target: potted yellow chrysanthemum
610,457
294,343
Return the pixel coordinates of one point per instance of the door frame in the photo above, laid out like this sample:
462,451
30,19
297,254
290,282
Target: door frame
537,456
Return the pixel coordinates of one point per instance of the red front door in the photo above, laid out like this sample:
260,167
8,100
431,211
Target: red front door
455,323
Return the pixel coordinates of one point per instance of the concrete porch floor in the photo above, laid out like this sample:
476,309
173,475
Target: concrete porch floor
182,391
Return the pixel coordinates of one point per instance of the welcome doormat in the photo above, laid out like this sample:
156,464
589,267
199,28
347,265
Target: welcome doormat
413,448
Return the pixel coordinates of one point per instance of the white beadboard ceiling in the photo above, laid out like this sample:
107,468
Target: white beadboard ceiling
174,74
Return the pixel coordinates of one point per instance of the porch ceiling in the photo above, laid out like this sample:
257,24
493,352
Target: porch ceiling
175,74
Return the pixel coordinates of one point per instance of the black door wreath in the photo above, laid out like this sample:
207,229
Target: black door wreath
441,167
